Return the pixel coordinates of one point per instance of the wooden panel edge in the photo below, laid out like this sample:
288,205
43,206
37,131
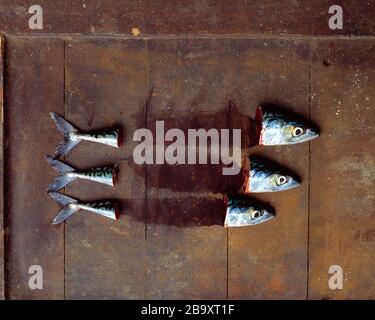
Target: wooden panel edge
2,225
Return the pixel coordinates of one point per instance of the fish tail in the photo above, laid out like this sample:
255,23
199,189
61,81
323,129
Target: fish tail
63,179
64,214
58,165
60,182
64,126
68,204
67,131
65,146
62,199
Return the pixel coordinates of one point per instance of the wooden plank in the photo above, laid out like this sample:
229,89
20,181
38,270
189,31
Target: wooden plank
106,85
34,87
270,260
240,17
186,248
342,224
2,236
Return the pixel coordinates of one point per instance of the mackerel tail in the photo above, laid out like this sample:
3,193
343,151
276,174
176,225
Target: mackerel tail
72,136
67,174
109,209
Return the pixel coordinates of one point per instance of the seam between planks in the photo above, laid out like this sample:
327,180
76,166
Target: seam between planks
4,165
2,293
229,126
64,227
308,189
75,36
146,169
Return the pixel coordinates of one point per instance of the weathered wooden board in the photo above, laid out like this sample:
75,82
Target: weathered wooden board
342,224
270,260
107,85
34,84
188,17
168,242
2,256
186,248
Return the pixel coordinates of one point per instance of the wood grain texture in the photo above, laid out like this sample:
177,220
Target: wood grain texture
270,260
181,17
186,242
107,85
2,236
342,224
35,84
169,242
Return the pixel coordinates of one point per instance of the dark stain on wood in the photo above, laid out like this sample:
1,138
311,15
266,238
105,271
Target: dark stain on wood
181,268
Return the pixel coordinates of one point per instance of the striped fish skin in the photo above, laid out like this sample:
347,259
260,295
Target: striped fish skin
109,137
105,175
107,208
276,128
265,178
243,211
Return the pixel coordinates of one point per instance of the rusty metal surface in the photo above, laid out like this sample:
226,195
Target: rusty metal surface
107,85
150,17
342,225
35,84
2,257
270,260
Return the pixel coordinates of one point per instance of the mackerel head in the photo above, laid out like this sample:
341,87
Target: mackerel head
275,127
244,211
262,176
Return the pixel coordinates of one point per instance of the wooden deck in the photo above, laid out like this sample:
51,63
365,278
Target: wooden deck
168,243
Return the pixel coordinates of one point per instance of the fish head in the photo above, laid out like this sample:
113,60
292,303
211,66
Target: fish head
266,178
278,128
243,211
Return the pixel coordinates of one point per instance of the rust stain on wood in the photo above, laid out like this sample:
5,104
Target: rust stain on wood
189,78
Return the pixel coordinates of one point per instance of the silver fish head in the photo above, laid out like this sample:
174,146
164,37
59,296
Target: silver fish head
243,211
277,128
266,178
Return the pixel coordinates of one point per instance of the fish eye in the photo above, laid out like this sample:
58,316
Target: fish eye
255,214
281,180
297,131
